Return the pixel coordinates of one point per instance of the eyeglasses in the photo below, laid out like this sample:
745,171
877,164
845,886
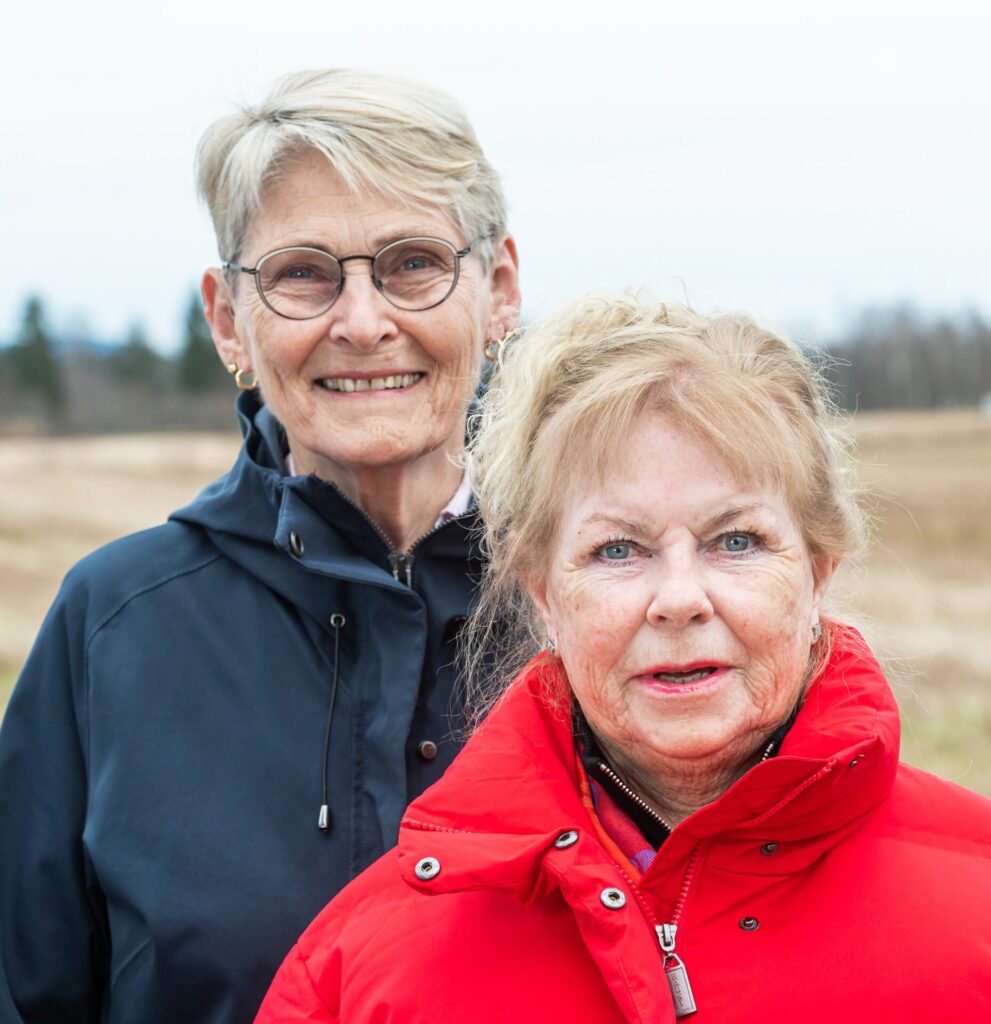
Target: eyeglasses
300,283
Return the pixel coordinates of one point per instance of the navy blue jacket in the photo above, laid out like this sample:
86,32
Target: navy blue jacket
162,757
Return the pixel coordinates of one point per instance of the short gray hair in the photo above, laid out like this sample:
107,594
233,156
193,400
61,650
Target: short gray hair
396,136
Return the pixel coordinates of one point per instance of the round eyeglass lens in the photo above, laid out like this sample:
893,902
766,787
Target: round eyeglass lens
416,273
299,283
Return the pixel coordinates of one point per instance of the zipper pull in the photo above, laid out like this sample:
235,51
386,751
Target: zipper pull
402,568
675,973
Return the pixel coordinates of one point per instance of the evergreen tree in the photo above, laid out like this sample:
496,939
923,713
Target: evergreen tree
135,362
198,367
32,359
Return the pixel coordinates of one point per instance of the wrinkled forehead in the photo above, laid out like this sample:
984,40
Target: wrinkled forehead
307,187
600,449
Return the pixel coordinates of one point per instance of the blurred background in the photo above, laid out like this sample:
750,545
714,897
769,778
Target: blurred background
825,169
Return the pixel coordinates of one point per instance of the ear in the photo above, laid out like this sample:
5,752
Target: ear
218,308
823,568
536,587
504,281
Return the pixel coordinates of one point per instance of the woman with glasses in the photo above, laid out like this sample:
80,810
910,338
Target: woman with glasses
224,718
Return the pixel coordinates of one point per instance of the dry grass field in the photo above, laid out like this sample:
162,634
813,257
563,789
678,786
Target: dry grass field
924,596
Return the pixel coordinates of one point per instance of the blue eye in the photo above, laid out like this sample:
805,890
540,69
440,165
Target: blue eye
737,543
618,551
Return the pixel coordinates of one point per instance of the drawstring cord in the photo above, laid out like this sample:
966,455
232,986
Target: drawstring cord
337,621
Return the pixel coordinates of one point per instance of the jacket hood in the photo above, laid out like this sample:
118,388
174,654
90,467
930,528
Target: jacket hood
516,786
242,503
252,513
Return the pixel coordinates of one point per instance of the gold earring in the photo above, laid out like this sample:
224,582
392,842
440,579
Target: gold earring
238,374
491,348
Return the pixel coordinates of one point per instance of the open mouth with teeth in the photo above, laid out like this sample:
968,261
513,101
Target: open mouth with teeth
695,676
351,384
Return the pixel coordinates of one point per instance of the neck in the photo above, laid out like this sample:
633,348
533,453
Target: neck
402,499
680,789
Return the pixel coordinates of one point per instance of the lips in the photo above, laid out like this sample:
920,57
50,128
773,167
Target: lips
685,679
693,676
390,382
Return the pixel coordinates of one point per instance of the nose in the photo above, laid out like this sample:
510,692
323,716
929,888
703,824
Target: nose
680,596
361,317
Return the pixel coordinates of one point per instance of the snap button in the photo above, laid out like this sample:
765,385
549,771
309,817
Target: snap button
749,924
295,544
855,762
566,839
427,750
768,848
612,898
427,868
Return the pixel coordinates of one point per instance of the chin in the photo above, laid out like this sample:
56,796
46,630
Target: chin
366,454
699,745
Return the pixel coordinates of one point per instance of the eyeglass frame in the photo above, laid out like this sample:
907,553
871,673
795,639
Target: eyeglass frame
459,255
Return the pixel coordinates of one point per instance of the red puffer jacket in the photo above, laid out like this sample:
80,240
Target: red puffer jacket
829,884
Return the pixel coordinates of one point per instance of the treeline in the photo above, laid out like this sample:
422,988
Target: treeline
53,384
898,359
893,358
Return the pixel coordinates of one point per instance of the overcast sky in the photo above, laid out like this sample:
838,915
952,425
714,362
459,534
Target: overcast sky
795,160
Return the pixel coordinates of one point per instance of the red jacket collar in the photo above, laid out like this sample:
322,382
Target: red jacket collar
515,787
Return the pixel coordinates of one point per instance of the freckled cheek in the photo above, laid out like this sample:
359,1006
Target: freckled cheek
771,629
594,627
282,358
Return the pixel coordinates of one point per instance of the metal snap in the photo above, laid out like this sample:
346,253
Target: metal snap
768,848
566,839
337,620
612,898
749,924
427,868
855,762
427,750
296,544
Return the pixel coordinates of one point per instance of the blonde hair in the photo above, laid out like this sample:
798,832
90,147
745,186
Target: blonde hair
398,137
564,398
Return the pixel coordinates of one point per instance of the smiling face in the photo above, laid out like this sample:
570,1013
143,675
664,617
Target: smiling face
681,605
364,384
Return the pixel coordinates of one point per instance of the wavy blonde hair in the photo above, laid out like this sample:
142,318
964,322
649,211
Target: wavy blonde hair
564,398
398,137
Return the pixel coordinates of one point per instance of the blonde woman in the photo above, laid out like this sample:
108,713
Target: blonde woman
690,804
224,718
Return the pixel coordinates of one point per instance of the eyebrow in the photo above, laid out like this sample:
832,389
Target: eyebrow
377,243
731,514
381,240
718,521
633,525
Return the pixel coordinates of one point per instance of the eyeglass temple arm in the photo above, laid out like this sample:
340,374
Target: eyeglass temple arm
491,233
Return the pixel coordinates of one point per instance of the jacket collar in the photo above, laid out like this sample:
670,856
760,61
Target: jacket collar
493,818
253,511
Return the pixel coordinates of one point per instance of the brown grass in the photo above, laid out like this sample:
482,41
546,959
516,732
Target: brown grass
926,590
924,595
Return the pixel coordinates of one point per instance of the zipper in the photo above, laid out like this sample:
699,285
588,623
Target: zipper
675,972
402,567
401,562
631,795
